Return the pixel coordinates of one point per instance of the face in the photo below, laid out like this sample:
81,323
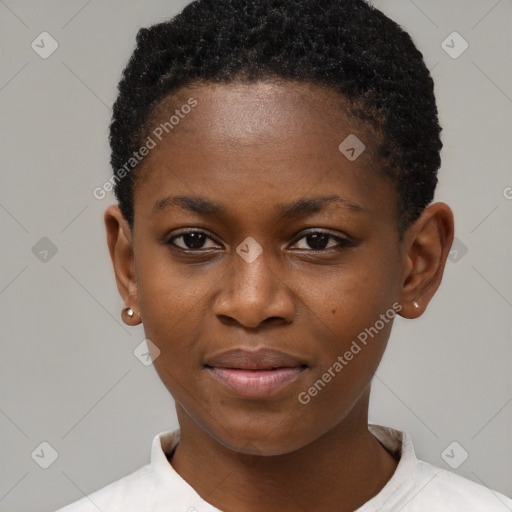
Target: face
263,256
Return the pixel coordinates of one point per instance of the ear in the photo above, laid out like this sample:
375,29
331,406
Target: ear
120,245
425,248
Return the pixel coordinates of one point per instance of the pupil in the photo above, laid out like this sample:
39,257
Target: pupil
317,240
194,240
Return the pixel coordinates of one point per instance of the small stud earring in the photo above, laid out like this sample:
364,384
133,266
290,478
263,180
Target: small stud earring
130,313
415,304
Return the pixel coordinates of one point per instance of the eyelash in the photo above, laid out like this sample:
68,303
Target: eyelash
342,242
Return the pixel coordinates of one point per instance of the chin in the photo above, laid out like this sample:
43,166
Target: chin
263,437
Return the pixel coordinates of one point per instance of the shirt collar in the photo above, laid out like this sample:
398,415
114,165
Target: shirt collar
170,487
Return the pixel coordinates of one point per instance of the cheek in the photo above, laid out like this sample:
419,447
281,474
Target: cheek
170,293
352,316
175,306
349,299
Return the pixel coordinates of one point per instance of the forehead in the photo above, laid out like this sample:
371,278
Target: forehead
247,112
277,135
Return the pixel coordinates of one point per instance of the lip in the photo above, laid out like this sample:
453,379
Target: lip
254,374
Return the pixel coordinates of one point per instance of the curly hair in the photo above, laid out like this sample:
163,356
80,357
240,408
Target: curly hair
346,45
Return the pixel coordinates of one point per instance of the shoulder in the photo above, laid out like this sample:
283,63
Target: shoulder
418,486
140,490
442,490
124,495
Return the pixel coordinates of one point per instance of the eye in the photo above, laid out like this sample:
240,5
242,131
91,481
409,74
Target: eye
196,240
321,240
191,240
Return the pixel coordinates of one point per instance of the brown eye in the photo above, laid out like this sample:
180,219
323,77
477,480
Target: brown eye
318,240
321,240
191,240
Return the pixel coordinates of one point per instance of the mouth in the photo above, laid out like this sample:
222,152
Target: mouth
255,374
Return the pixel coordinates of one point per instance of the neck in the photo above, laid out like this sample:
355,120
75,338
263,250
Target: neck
341,470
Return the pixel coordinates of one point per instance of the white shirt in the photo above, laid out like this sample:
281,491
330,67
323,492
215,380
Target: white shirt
415,486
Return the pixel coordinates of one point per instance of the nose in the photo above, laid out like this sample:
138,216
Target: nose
254,294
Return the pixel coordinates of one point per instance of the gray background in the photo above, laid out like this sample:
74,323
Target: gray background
68,373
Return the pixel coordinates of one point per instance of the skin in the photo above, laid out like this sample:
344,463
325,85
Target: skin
250,148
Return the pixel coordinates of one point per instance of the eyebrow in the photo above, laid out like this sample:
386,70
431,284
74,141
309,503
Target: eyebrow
210,208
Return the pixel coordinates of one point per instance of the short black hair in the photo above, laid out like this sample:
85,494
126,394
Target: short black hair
347,45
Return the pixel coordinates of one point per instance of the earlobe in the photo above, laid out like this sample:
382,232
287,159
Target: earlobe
128,316
119,241
426,247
